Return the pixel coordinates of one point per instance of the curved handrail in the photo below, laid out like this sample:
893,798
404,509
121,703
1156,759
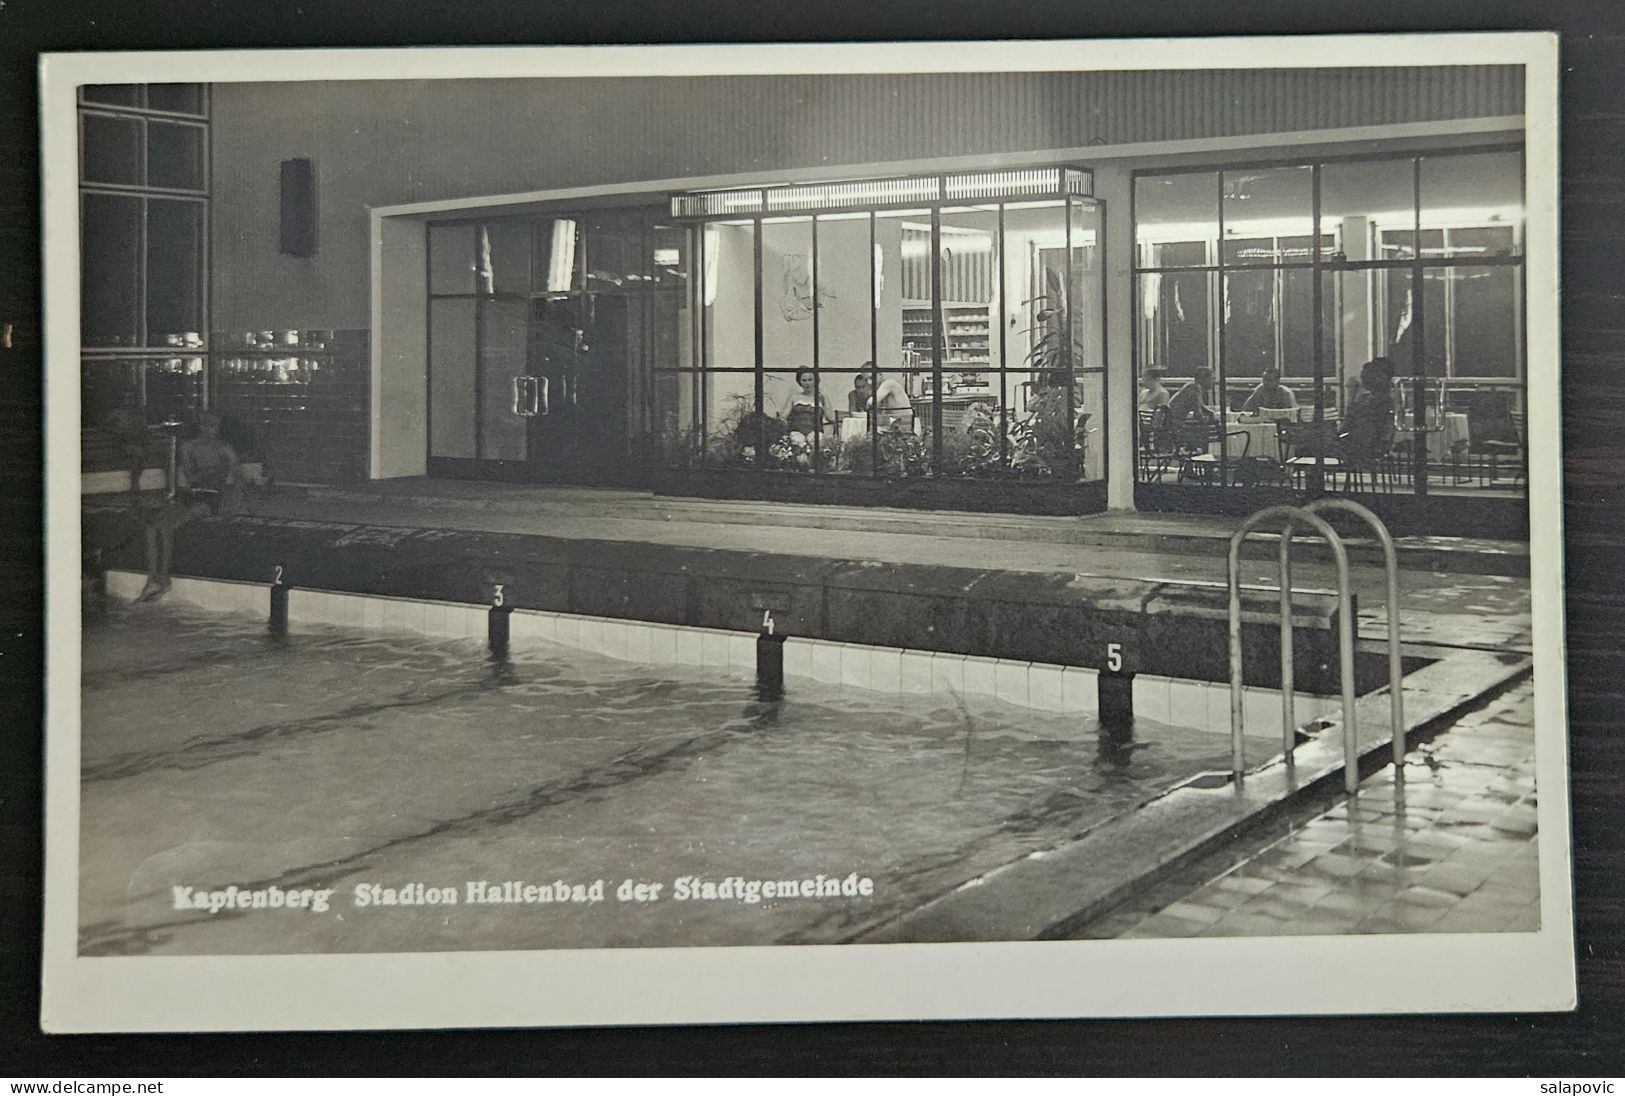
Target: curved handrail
1396,672
1345,604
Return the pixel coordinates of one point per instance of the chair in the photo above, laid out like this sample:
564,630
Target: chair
1157,448
1307,445
1197,461
1493,436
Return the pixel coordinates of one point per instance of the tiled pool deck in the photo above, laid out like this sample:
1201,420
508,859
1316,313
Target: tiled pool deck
1456,854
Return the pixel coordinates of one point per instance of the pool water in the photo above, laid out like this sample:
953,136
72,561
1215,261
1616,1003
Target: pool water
214,755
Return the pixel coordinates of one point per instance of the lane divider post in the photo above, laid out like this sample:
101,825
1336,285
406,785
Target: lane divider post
278,625
497,627
769,659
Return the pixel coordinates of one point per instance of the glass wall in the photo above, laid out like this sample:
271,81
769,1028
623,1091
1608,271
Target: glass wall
143,201
1262,292
542,329
952,329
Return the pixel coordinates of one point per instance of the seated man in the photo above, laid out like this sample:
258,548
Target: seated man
208,480
1271,394
893,408
858,398
1190,411
1154,396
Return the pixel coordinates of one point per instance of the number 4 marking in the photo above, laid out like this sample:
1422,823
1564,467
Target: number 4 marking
1114,657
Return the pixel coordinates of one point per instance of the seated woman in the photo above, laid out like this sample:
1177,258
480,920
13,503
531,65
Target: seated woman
802,411
1190,411
1271,394
1368,426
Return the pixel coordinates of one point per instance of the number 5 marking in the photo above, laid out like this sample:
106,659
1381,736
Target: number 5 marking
496,597
1114,657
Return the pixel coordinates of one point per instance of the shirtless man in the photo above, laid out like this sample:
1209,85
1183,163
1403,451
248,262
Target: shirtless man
891,396
209,480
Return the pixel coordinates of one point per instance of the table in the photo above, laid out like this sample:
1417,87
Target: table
1263,440
1442,440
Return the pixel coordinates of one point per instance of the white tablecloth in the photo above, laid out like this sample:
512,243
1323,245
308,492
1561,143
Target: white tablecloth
1263,440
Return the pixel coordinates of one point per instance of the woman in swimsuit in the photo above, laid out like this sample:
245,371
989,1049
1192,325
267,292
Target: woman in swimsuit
803,412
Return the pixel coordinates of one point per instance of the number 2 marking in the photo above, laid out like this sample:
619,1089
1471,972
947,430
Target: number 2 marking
496,597
1114,657
276,579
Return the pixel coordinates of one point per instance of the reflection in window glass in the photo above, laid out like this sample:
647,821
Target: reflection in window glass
112,150
1250,325
502,257
1261,206
615,250
1176,219
110,278
556,261
1176,322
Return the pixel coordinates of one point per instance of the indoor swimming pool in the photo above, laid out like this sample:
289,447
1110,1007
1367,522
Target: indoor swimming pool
381,765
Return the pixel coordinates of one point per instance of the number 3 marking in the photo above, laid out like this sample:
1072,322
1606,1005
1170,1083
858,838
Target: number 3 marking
496,598
1114,657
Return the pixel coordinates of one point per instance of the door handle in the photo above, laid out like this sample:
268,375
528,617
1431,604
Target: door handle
529,396
539,404
519,395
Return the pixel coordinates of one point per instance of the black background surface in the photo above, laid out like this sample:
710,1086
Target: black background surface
1593,243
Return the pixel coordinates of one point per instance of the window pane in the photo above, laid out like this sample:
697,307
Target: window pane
846,326
1086,308
1176,210
119,95
679,402
1358,199
970,305
615,251
669,260
174,388
1486,321
502,261
730,297
451,258
110,279
503,346
109,395
176,98
1265,205
1249,330
1472,191
174,272
1176,334
175,155
112,150
1297,326
451,378
556,262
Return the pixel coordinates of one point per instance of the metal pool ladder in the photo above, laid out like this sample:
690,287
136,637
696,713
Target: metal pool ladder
1308,515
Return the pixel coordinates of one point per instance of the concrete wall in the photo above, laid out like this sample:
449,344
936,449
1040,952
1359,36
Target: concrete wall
382,143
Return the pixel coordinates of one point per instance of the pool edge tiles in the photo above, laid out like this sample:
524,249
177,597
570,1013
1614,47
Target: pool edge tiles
1038,686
